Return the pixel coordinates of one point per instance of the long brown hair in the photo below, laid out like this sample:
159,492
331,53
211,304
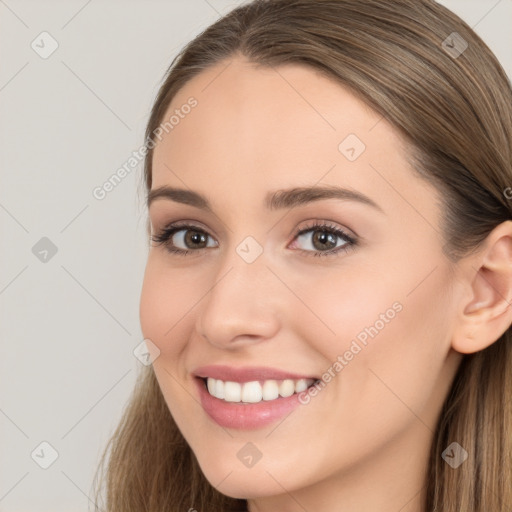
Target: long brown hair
454,111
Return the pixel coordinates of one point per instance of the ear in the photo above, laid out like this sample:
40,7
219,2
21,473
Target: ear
486,310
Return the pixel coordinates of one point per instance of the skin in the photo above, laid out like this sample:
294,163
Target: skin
362,443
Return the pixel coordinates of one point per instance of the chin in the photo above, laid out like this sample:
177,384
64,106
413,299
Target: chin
233,479
245,484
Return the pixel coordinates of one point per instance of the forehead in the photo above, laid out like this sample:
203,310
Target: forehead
264,110
254,129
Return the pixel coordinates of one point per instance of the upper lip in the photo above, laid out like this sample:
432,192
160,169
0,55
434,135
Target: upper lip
246,373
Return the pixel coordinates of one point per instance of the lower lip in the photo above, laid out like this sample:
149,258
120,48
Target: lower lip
245,416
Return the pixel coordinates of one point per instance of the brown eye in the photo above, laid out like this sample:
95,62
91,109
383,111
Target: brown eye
183,239
323,240
194,239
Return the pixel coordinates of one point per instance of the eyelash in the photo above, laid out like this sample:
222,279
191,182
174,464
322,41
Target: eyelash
165,235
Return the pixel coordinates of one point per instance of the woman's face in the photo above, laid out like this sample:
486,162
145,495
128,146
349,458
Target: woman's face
361,301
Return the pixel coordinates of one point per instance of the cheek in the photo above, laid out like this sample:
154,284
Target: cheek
166,301
166,306
380,333
401,366
338,306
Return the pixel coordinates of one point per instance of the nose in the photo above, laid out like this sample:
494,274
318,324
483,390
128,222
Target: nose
241,306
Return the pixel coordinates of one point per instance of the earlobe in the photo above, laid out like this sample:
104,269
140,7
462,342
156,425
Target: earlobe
487,310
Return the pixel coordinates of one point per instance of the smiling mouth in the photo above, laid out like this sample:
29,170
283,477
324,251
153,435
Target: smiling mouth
255,391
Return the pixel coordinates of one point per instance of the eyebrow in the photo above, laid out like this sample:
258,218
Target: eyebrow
290,198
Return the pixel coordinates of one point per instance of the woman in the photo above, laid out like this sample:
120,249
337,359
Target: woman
377,135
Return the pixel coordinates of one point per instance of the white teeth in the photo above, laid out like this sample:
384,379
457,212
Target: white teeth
251,392
301,385
211,386
270,390
219,389
232,391
287,388
255,391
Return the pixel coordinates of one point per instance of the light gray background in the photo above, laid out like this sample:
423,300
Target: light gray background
69,325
